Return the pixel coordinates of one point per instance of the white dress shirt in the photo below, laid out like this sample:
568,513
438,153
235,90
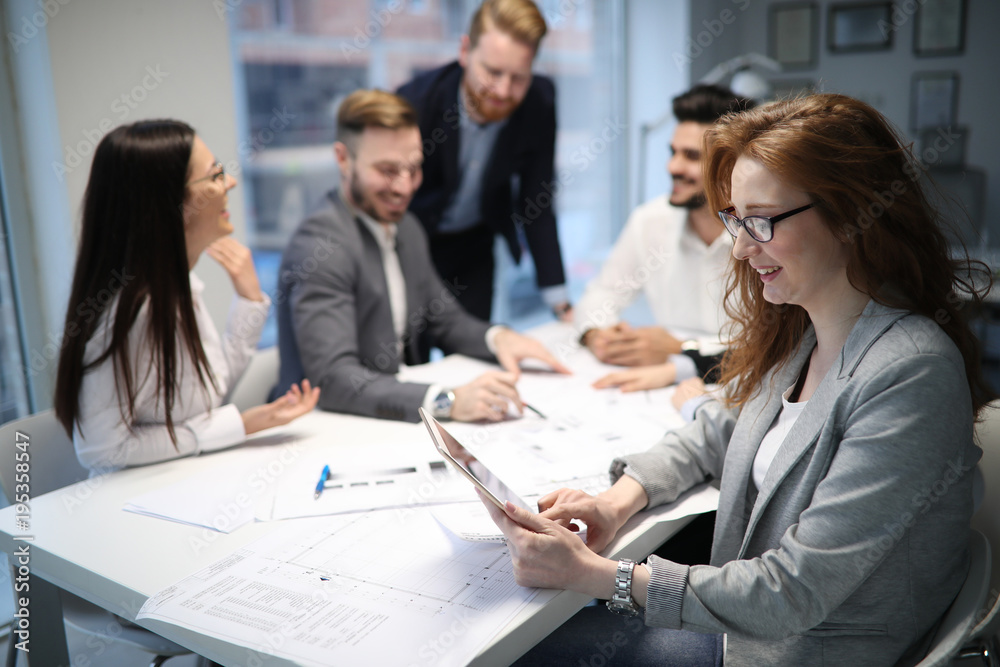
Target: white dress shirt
658,254
104,441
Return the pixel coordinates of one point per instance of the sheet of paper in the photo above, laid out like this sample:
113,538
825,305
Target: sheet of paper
359,589
221,499
470,521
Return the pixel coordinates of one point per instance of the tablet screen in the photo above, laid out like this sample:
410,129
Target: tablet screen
469,466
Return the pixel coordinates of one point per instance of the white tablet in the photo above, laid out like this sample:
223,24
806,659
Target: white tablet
470,467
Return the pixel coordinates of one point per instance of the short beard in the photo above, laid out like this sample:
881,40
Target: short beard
476,103
693,203
365,204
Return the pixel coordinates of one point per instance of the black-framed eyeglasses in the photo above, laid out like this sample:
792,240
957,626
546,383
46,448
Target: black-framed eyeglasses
216,176
759,227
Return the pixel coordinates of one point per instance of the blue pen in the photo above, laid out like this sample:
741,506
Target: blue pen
323,476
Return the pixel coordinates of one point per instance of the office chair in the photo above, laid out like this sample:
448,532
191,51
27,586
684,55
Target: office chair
961,617
983,647
53,466
260,376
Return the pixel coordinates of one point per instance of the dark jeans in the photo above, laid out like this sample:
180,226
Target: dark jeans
465,263
597,637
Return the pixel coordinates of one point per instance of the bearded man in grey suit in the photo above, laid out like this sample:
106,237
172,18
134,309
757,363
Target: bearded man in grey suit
358,295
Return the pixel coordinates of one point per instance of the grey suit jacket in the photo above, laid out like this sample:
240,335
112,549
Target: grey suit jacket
856,543
335,322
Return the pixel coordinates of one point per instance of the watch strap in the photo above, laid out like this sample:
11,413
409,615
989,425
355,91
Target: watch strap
621,601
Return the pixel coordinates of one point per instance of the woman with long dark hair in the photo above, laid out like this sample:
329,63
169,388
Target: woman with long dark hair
844,438
143,373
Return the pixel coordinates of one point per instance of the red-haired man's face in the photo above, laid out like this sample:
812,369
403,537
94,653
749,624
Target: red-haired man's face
497,75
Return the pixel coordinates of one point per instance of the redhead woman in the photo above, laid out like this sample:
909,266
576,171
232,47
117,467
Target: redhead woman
143,373
844,438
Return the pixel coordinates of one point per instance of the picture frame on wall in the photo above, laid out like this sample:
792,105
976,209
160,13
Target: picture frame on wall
939,28
933,100
793,30
859,26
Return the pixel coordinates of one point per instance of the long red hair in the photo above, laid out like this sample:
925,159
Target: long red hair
847,157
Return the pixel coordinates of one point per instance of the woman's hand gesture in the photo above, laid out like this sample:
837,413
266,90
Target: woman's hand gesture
236,259
295,403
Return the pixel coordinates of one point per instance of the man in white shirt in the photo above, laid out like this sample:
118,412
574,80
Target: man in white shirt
675,251
358,295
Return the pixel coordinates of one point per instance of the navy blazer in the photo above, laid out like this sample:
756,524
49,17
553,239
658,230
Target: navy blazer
518,183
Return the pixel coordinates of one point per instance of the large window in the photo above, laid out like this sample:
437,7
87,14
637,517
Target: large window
295,61
13,388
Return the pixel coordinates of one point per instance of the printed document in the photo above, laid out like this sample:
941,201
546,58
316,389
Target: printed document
379,588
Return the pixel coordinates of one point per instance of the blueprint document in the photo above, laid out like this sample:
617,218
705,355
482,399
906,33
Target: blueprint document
375,588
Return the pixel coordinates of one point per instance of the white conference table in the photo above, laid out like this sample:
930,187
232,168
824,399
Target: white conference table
86,544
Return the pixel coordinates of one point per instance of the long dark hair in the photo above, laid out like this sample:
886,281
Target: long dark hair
847,156
132,246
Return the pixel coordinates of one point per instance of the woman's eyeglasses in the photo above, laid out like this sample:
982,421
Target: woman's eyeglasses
759,227
218,175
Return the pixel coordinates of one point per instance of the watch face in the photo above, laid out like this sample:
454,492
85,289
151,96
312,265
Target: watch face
442,406
623,608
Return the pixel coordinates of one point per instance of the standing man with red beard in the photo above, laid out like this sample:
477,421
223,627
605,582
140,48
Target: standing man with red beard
674,250
489,133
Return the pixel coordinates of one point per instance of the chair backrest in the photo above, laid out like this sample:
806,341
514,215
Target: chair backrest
53,462
965,611
258,379
987,518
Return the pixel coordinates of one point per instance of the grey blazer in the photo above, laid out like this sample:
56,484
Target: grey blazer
856,543
335,322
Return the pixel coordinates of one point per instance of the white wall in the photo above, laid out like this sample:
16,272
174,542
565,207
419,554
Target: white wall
118,61
882,78
112,62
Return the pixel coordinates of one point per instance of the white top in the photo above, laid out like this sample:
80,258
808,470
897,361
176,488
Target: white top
103,440
772,440
660,255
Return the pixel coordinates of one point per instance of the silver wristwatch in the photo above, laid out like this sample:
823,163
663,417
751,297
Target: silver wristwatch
621,602
441,407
